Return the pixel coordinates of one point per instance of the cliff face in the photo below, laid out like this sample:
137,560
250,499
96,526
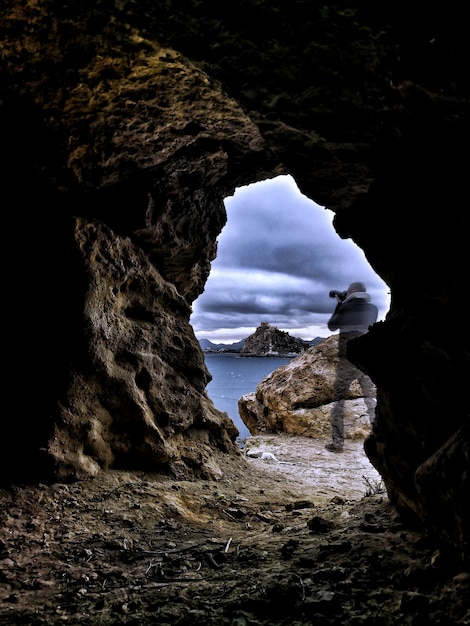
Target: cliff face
123,128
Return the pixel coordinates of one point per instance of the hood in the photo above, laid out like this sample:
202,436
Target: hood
359,295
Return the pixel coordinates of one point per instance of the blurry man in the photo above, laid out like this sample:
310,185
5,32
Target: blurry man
353,315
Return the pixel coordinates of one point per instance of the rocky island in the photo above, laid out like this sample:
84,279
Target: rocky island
269,341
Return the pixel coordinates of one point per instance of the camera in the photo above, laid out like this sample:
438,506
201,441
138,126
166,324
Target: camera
338,294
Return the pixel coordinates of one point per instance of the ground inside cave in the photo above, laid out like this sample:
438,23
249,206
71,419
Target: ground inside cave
296,536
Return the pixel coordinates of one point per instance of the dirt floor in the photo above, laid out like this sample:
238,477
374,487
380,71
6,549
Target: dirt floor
294,536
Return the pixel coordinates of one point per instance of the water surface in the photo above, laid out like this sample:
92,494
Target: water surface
232,377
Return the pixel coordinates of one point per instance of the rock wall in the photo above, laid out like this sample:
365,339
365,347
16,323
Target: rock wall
123,128
115,170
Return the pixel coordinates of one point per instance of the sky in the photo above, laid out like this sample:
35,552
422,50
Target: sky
278,257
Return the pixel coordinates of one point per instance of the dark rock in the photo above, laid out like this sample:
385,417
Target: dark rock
288,549
300,504
319,526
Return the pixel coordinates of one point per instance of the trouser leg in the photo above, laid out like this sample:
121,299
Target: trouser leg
369,393
340,390
337,423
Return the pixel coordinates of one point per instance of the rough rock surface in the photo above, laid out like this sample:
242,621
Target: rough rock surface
296,540
124,126
270,341
297,398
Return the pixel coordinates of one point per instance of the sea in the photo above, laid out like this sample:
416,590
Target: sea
234,376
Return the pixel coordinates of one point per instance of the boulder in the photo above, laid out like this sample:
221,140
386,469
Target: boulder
297,398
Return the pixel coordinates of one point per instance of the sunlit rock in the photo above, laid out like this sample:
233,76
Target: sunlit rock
297,398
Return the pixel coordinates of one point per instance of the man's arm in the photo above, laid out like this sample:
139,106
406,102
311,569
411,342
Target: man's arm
335,320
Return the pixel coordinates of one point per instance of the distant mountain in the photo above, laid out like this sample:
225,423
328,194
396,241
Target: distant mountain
208,346
313,342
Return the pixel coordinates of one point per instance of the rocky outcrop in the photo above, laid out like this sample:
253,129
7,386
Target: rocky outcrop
270,341
124,126
297,398
118,175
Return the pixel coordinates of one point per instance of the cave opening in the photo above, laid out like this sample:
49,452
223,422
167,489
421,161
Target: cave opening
278,257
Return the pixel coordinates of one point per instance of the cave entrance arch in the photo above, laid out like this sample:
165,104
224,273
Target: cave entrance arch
278,257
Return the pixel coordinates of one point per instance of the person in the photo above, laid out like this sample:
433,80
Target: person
353,314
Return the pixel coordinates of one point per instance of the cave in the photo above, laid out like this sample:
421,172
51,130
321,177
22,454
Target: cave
125,126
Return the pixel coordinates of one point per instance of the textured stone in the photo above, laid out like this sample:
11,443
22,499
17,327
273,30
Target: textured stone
297,398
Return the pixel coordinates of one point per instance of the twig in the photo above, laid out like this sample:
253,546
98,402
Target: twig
228,515
110,493
302,585
212,562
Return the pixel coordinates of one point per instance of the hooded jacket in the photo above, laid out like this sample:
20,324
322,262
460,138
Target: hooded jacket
355,314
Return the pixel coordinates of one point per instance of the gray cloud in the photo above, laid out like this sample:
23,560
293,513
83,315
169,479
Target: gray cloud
278,258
